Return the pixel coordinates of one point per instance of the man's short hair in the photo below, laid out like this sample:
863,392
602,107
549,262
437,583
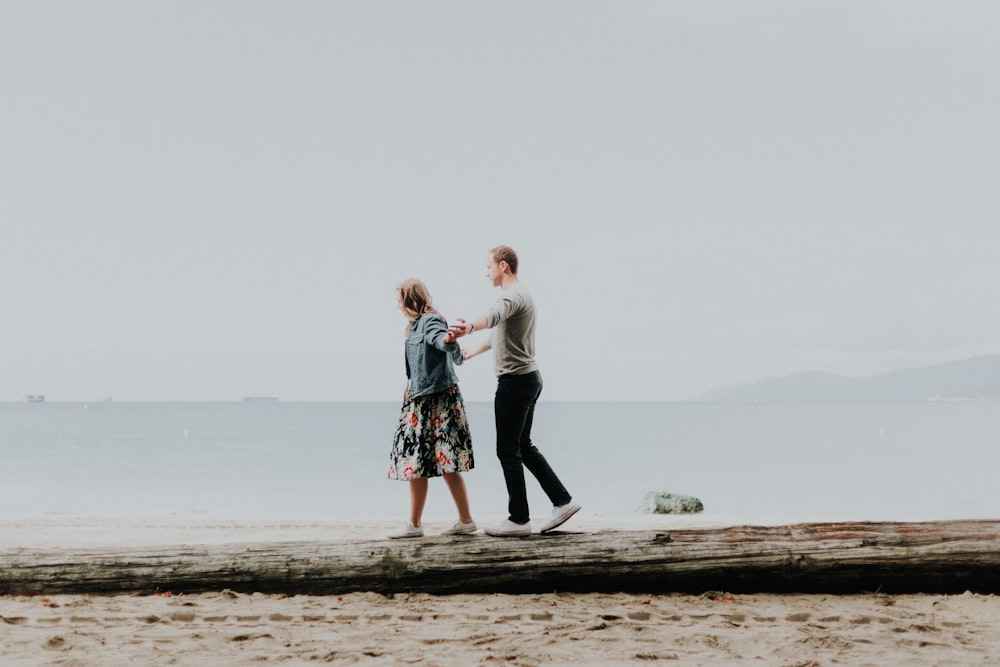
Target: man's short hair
504,253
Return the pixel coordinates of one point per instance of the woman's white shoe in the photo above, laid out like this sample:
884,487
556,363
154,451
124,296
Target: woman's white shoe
408,530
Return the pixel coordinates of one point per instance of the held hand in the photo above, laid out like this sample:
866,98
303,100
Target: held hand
458,330
450,337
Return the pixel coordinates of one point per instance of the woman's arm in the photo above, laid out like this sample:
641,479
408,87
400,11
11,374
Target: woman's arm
437,334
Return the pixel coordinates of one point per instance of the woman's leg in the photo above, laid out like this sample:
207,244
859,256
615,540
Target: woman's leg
418,496
457,487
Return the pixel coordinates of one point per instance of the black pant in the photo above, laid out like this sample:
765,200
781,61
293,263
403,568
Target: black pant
514,409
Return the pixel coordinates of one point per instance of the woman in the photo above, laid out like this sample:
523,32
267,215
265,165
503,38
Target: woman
432,439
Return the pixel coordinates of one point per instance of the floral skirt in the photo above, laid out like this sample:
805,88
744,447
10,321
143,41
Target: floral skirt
432,437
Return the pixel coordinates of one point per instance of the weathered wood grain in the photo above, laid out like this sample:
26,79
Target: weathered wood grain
931,557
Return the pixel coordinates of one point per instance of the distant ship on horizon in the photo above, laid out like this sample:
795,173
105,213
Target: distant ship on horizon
258,399
40,398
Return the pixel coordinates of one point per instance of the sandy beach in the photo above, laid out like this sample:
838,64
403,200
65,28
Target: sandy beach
227,628
241,628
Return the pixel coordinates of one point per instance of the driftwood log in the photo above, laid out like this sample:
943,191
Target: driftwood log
928,557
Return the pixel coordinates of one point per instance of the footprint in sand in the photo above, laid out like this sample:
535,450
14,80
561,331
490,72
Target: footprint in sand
55,643
280,618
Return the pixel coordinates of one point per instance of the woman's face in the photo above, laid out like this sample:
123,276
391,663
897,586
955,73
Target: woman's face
399,304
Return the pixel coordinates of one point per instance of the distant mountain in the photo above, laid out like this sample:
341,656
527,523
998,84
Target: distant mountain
975,379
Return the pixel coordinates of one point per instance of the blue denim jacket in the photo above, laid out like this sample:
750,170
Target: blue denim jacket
428,358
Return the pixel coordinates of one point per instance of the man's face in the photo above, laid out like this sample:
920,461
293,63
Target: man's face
494,271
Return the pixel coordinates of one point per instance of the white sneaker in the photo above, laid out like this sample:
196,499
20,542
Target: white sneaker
408,530
459,528
508,528
560,515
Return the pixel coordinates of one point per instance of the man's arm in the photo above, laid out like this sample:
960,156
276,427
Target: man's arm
465,327
468,353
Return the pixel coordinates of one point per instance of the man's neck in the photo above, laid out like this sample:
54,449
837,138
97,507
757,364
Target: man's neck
508,280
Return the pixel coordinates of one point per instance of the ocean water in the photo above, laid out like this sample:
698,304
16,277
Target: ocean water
307,461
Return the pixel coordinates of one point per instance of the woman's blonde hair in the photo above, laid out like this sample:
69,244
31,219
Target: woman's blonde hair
415,297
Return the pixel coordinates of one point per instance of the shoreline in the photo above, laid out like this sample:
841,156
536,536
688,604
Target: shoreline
63,530
69,531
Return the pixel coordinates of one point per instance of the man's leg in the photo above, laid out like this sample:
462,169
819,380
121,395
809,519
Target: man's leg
511,407
535,461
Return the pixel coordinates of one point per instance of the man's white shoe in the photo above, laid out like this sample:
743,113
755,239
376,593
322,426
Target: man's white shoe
509,529
408,530
560,515
459,528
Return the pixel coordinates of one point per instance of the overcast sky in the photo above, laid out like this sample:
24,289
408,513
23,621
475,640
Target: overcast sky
208,200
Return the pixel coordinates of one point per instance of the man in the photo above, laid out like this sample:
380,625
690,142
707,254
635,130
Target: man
512,320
